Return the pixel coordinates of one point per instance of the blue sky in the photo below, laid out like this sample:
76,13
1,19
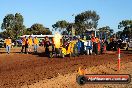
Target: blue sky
47,12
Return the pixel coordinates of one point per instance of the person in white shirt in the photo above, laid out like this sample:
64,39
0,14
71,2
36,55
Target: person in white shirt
89,47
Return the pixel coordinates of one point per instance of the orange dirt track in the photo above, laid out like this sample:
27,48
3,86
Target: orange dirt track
18,69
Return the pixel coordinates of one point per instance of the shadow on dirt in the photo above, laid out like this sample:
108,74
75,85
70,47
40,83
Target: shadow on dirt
127,52
40,54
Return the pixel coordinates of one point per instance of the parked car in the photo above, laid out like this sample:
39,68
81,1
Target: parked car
1,43
18,43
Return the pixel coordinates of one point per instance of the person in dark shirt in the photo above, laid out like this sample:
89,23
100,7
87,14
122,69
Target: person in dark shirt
23,44
46,45
26,46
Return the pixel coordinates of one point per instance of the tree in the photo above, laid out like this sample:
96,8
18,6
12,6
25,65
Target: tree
69,28
106,31
13,25
86,20
19,27
5,34
126,26
119,34
60,25
37,29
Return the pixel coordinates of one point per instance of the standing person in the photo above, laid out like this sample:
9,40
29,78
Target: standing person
99,46
96,45
23,44
103,47
8,44
46,45
89,47
26,46
51,48
82,48
79,46
36,42
42,42
93,43
30,43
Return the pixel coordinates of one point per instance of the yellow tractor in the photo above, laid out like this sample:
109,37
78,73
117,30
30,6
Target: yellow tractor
64,50
68,49
61,50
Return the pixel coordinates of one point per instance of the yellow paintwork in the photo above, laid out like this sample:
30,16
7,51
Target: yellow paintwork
63,50
70,48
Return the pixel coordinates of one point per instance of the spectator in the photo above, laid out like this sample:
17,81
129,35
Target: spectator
23,44
36,42
96,45
89,47
99,46
79,46
26,46
8,44
46,45
93,43
30,43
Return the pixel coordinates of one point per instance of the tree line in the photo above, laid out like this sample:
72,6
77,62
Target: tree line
13,26
83,22
126,29
89,19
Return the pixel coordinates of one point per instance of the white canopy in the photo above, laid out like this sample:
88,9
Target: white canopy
39,36
92,29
